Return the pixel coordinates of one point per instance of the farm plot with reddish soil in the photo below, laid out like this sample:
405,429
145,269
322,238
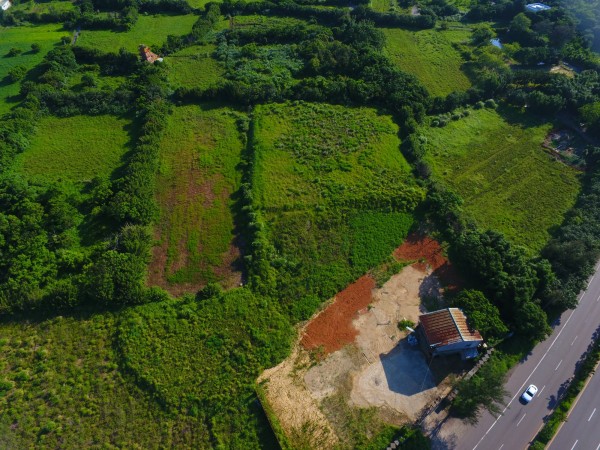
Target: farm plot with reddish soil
354,350
195,237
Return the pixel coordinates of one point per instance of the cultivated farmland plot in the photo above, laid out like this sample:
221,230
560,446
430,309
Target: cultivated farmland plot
87,147
336,191
47,36
198,175
148,30
429,55
496,162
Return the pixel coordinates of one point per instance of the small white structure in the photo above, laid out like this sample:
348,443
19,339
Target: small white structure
496,43
537,7
5,4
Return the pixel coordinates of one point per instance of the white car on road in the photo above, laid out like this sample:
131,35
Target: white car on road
529,393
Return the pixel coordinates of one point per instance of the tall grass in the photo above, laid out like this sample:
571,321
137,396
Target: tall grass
148,30
429,55
495,161
76,148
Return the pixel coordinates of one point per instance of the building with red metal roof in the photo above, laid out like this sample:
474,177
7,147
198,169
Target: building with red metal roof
446,332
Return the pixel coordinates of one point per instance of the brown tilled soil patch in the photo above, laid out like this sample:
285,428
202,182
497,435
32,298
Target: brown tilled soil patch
428,252
332,329
179,198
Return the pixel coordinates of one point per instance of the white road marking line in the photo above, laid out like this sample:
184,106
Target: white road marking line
501,447
592,414
590,282
525,382
598,448
574,340
558,365
542,389
575,444
521,419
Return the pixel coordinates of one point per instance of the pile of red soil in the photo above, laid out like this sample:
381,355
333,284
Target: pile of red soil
332,329
428,252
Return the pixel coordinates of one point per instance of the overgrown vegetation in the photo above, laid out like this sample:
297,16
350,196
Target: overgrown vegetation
205,355
199,175
330,199
495,162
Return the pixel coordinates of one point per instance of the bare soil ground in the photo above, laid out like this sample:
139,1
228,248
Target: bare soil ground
369,364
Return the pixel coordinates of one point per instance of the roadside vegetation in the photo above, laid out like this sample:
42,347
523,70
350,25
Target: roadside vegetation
585,370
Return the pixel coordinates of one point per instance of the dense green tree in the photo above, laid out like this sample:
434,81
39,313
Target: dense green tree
481,313
484,390
531,321
590,114
16,73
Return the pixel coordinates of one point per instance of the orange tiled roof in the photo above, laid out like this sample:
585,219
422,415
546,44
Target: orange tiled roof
447,326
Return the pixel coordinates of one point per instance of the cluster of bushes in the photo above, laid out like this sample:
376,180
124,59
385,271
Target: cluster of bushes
341,66
222,339
18,17
329,16
51,89
575,247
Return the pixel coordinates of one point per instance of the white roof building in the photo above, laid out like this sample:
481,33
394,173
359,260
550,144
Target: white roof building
5,4
537,7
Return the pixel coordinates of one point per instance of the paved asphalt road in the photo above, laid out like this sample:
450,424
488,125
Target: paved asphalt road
549,366
582,430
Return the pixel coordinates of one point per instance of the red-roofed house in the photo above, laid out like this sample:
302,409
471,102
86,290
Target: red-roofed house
147,55
446,332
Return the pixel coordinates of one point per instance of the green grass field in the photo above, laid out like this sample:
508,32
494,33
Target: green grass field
200,152
311,154
202,358
75,148
148,30
41,8
336,194
47,36
61,387
194,67
509,183
429,55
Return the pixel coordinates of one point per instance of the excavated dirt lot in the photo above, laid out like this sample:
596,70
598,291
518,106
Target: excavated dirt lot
355,349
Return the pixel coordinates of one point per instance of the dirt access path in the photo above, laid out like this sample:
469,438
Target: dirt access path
354,349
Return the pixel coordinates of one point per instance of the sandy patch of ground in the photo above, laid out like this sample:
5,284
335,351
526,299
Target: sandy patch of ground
354,349
397,375
297,411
